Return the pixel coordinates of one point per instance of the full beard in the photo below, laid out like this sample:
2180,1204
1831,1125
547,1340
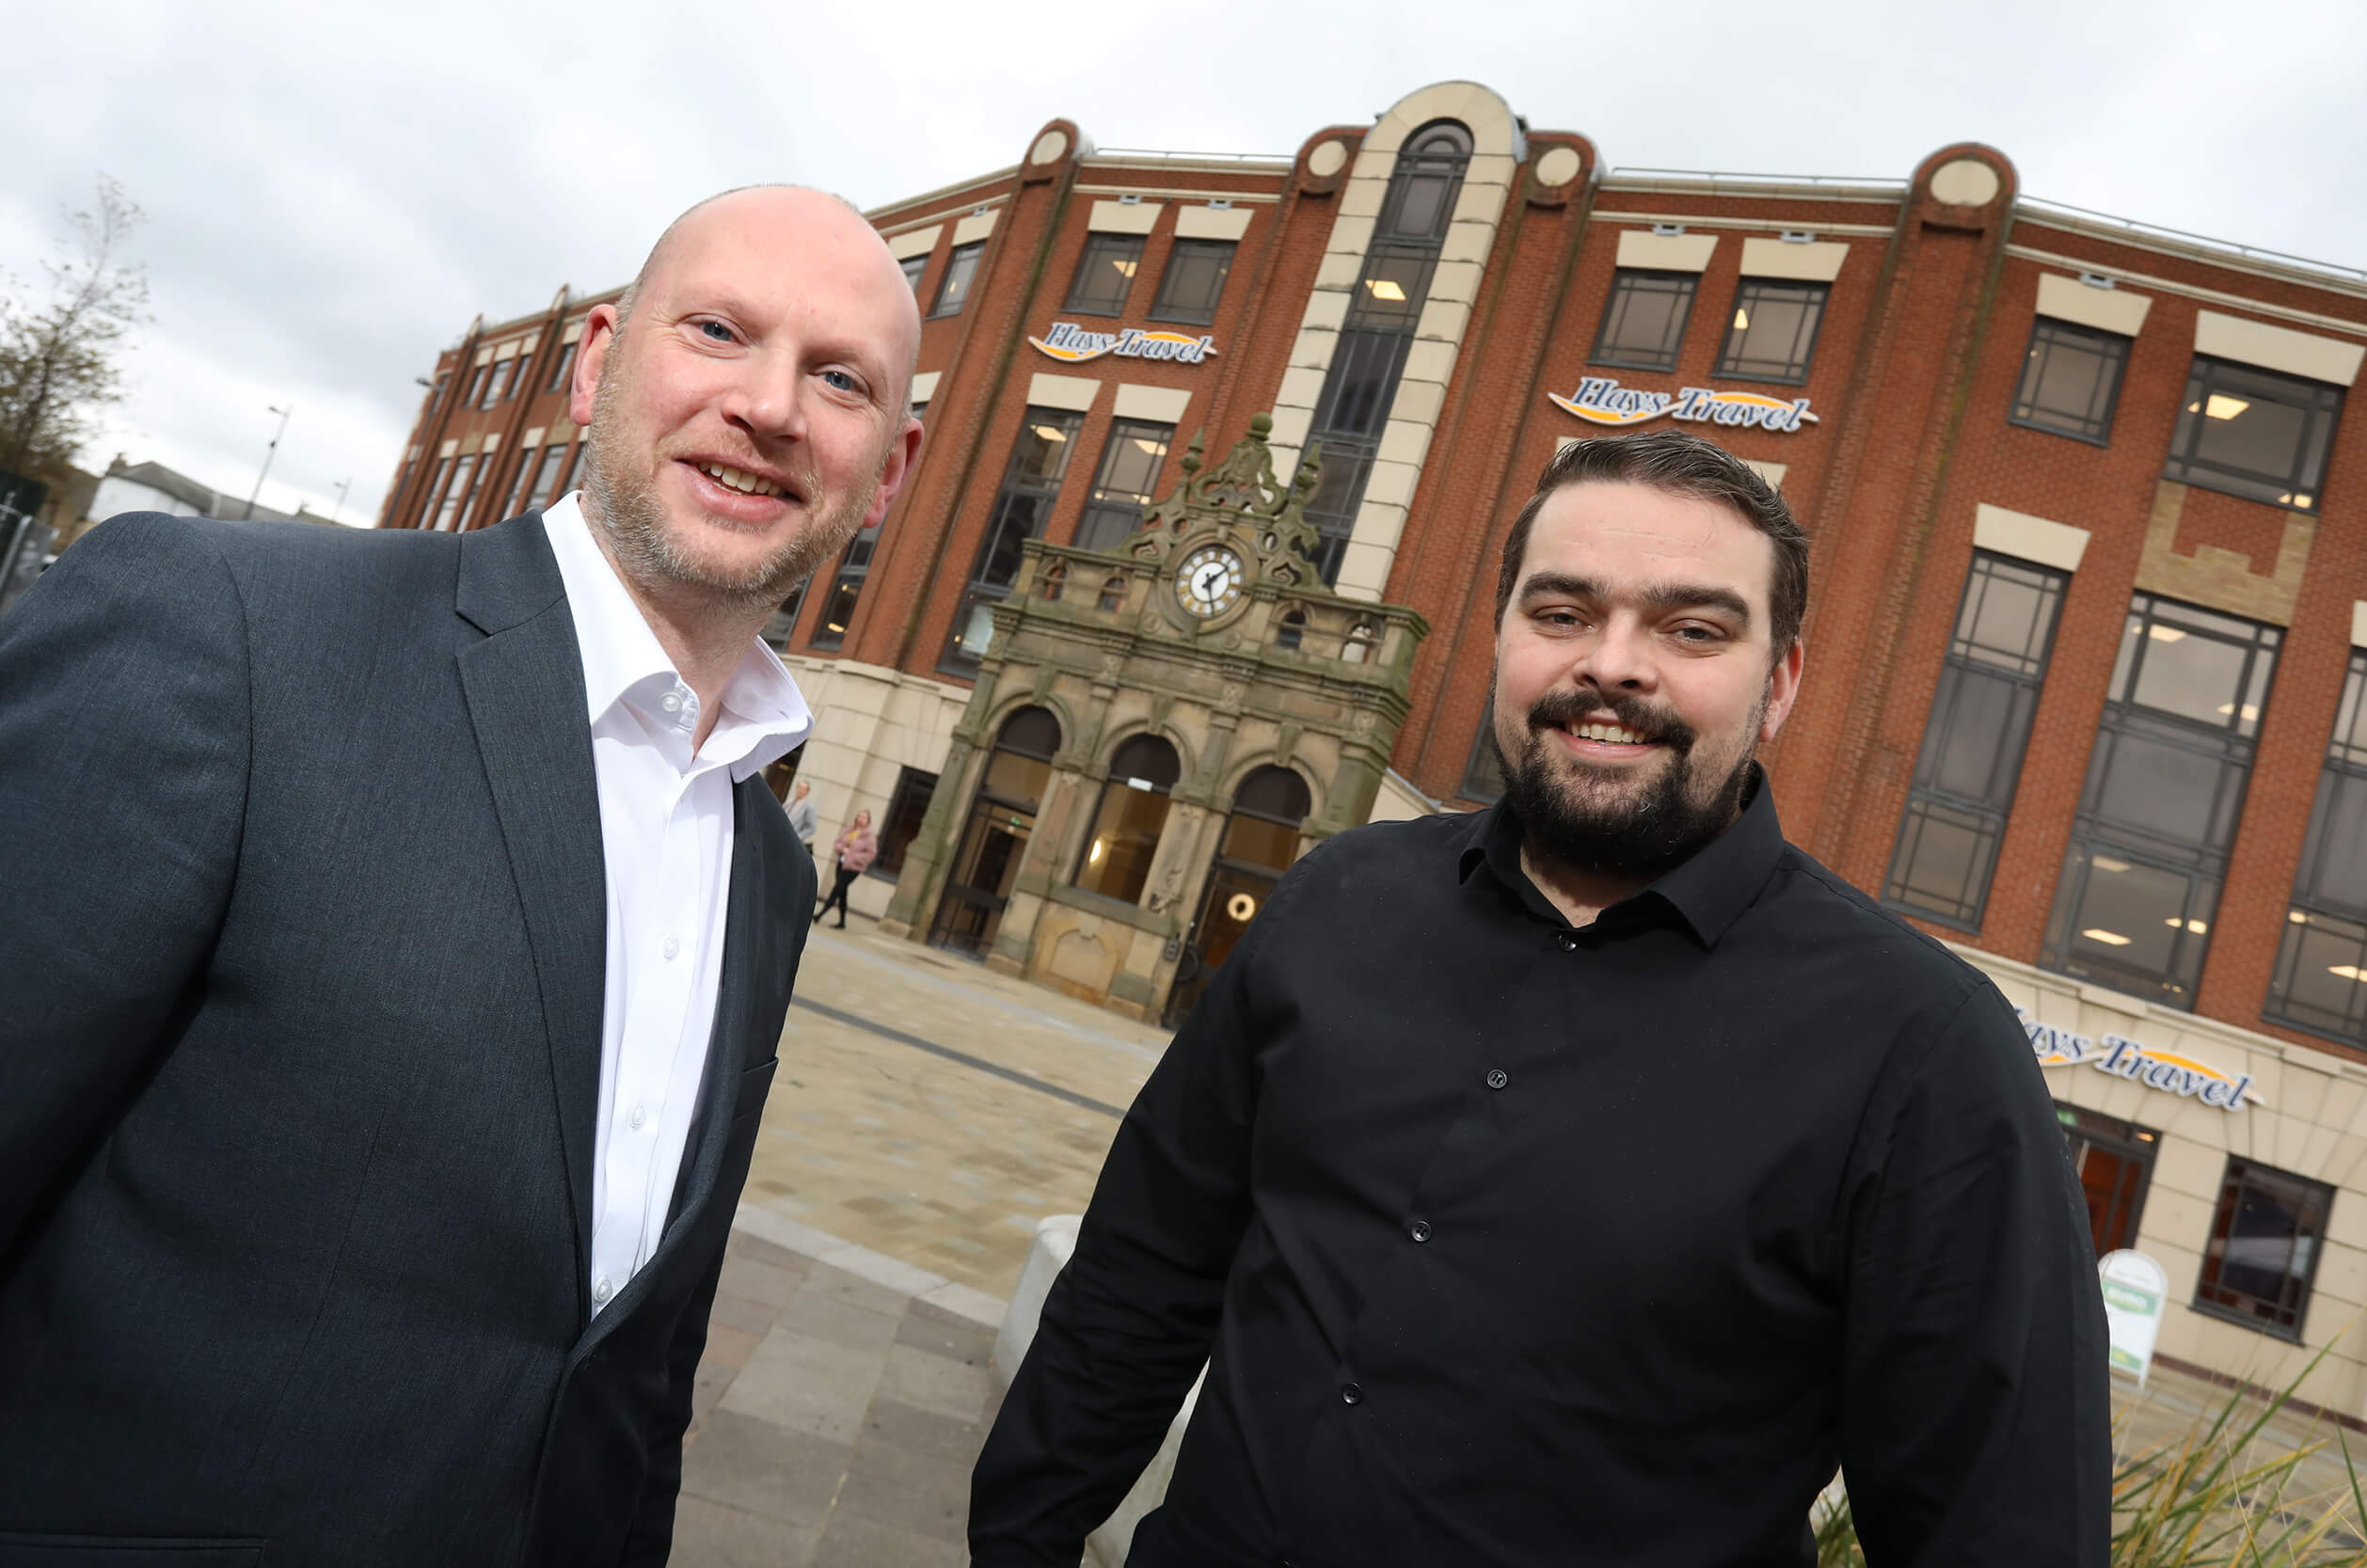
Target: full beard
623,505
1601,820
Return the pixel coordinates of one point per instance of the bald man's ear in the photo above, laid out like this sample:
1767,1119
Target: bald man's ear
902,453
600,334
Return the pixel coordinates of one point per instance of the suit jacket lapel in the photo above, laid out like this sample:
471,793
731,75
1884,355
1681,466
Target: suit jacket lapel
524,685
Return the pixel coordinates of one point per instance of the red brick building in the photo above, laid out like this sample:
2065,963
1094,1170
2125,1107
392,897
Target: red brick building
2088,627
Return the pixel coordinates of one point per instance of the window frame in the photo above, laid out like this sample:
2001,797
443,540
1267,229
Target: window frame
1163,304
2342,785
1113,780
1102,499
2025,411
915,270
1017,484
888,865
1961,661
560,367
1622,288
1748,288
961,271
1103,245
453,507
2231,1187
2203,376
502,372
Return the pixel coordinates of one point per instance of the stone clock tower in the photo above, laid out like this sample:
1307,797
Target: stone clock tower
1156,732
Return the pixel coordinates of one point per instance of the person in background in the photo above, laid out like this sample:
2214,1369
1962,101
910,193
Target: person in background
801,815
855,851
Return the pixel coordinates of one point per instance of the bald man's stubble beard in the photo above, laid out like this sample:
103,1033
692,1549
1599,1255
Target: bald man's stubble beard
623,505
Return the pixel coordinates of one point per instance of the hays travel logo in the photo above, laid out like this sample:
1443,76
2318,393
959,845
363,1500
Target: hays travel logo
1070,343
2125,1058
1600,400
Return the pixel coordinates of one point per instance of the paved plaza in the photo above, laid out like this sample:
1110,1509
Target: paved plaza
927,1113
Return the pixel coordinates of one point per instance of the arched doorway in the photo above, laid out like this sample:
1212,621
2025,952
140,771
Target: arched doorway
995,836
1116,859
1260,839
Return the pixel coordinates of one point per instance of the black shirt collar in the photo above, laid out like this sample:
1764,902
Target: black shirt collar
1709,893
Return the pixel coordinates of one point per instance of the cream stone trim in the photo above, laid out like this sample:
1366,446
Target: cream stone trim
492,441
532,437
1182,193
484,354
1771,226
449,449
1817,262
1497,147
914,241
1642,248
2027,538
574,332
1964,183
505,351
1122,218
2189,291
1075,393
1166,404
978,225
2108,309
2358,622
2277,348
1398,801
1772,472
925,386
1211,223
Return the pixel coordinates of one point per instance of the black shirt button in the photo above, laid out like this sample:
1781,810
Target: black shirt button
1566,941
1351,1394
1419,1230
1498,1078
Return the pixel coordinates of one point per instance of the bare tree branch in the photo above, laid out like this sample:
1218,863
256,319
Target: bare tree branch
59,359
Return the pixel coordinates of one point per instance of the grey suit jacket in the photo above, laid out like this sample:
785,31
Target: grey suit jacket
301,959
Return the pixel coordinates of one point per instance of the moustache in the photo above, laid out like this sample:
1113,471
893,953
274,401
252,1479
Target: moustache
1557,710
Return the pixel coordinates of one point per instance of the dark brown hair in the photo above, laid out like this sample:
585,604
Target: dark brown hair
1681,465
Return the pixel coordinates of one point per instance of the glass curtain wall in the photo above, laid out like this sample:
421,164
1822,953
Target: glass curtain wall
2320,982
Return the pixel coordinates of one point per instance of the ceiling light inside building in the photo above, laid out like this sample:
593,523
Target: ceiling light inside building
2105,863
1052,433
2252,711
2165,634
2348,972
2110,939
1125,267
2297,917
1384,288
1742,319
2196,926
1094,856
2222,406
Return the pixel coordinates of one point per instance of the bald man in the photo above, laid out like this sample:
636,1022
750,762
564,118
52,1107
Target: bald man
399,935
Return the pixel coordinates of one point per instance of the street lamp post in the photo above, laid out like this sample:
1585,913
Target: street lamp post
268,450
337,511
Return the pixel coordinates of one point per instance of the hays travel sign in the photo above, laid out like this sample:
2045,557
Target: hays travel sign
2138,1064
1600,400
1070,343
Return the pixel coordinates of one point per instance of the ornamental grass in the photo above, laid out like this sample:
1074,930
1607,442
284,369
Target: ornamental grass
2193,1500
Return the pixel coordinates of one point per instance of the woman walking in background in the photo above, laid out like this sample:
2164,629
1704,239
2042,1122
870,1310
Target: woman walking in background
854,849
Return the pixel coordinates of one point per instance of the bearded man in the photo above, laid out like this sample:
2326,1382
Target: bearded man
1583,1181
399,937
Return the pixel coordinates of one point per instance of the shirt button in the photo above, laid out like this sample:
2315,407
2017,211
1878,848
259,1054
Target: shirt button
1419,1230
639,1116
670,702
673,947
1566,941
1498,1078
1351,1394
601,1291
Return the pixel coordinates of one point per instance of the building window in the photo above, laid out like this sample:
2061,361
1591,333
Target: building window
541,493
846,589
1104,274
1383,308
560,367
1484,774
575,466
1031,483
2253,433
2114,1162
2165,789
1774,333
521,484
900,824
781,624
455,503
1130,467
1133,808
1974,742
2320,981
476,385
915,266
2263,1249
2070,380
435,492
502,369
953,290
1193,281
1645,322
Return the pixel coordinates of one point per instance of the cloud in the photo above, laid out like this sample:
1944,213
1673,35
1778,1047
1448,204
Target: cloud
334,193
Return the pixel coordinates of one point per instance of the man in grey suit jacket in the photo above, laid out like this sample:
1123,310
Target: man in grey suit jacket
344,1220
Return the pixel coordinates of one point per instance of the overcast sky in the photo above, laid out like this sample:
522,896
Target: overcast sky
332,192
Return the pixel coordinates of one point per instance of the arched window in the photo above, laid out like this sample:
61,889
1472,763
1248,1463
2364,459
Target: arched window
994,835
1361,642
1290,631
1133,810
1055,575
1113,592
1260,842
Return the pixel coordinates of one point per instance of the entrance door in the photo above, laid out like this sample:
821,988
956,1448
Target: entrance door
978,889
2115,1163
1260,840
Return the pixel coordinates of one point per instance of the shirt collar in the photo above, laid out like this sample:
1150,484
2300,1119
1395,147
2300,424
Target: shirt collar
764,716
1708,891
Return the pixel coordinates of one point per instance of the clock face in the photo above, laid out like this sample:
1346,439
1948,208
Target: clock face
1209,582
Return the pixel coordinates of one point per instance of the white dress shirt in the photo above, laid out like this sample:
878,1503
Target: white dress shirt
666,838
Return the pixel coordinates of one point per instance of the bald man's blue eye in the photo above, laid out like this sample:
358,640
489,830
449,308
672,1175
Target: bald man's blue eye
716,330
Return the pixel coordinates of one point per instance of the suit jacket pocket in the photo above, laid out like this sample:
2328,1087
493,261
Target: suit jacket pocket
123,1551
753,1085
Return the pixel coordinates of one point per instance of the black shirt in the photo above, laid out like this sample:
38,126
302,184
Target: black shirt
1518,1243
